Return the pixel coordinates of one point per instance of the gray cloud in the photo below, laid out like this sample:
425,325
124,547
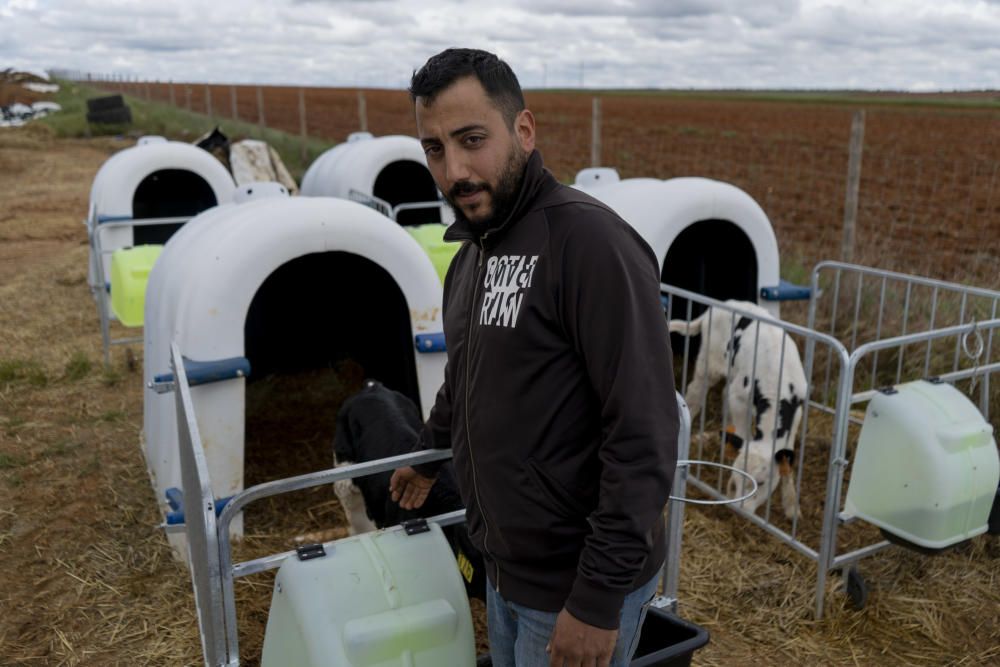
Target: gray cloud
602,43
763,11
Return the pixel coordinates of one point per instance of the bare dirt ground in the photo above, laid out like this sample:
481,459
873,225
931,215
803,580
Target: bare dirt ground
89,580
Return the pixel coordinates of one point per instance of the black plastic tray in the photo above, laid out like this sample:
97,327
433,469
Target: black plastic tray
666,641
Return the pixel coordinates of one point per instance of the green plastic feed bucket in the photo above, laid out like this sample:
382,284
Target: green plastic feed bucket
380,599
431,239
925,468
130,269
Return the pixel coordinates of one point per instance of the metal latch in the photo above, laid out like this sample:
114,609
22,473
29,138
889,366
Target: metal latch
310,551
415,526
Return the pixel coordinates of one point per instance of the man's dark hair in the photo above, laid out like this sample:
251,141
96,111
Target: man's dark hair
496,77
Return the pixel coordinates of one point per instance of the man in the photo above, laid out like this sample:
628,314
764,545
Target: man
558,398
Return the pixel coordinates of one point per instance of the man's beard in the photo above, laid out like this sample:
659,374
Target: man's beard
503,197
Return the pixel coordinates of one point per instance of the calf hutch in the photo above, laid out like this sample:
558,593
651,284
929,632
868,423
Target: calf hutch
387,173
718,250
276,286
710,237
141,196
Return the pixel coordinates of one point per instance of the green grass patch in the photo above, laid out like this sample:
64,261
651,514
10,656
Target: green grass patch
61,448
9,461
111,377
795,271
174,123
78,366
113,416
92,466
14,423
22,371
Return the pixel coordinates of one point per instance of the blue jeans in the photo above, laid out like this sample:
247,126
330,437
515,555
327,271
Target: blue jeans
518,634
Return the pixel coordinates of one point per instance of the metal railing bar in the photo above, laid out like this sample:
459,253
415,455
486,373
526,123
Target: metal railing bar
858,554
930,341
878,329
756,520
751,386
687,352
274,561
833,333
915,280
126,341
906,322
787,326
309,480
953,377
922,336
774,433
958,343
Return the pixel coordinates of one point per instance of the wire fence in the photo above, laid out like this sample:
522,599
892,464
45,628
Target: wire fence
928,200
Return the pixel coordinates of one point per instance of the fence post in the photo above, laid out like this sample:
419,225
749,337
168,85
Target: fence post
208,100
232,98
187,93
595,133
260,108
302,123
853,183
173,99
362,111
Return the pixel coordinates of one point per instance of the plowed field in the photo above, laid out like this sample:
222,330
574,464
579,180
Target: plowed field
930,186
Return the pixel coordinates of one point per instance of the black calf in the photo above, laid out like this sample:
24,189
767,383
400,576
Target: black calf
377,423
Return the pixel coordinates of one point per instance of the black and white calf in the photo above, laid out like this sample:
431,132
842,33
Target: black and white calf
763,415
377,423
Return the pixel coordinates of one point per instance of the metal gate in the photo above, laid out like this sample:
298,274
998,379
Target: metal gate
210,550
866,328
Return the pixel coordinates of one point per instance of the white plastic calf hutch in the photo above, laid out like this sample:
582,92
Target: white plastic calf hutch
387,173
277,286
710,237
141,196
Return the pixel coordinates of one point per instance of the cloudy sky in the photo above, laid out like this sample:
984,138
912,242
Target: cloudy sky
871,44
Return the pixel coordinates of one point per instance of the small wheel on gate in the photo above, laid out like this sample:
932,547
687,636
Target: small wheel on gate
855,587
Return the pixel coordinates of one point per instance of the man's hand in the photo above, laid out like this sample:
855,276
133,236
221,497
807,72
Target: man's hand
576,644
409,488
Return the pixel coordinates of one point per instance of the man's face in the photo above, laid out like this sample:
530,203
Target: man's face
476,160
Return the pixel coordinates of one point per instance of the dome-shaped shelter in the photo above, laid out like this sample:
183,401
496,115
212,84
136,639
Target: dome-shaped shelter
384,173
141,196
154,179
709,237
284,286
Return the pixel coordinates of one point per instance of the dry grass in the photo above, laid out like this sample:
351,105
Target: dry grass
88,579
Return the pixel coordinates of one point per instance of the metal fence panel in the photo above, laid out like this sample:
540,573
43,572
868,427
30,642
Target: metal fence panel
199,519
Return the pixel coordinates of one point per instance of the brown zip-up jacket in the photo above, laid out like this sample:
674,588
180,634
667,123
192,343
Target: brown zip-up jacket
558,401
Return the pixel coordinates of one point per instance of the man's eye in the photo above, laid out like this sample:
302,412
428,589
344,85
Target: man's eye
432,151
473,140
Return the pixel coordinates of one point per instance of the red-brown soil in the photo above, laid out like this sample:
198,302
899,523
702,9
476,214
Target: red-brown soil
930,186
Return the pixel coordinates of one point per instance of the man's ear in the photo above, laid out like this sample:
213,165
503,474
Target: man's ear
524,128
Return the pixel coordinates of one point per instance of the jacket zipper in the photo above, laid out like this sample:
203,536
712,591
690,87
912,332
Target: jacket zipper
468,428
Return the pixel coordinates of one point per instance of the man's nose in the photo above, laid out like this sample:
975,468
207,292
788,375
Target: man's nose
455,168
